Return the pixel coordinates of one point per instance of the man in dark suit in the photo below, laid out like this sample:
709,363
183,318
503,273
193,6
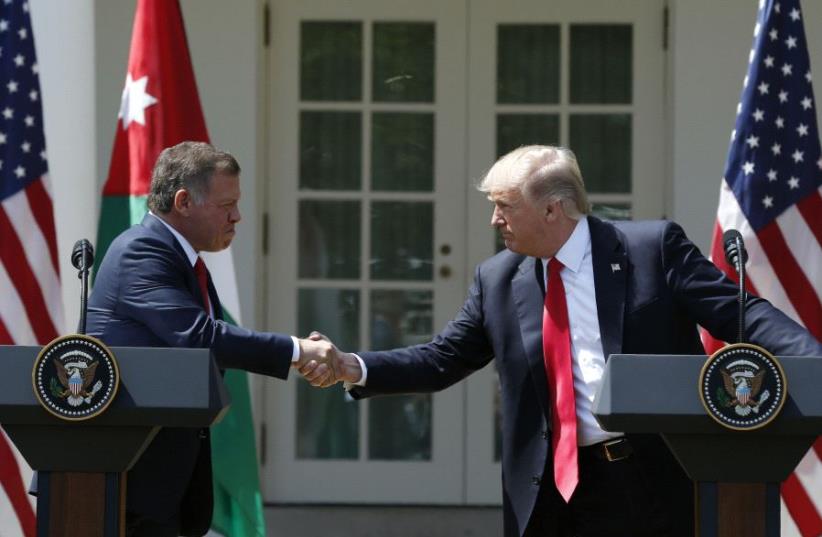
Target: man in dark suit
153,290
626,287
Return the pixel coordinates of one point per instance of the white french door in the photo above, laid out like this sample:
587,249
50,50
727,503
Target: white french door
382,117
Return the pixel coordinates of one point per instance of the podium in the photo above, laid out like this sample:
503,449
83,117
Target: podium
737,473
82,466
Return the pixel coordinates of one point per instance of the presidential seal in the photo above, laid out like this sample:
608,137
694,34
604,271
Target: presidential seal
75,377
743,387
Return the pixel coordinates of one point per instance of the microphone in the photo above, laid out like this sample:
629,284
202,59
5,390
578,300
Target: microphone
736,255
82,255
735,252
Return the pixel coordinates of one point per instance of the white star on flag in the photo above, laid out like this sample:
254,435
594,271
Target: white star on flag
790,42
793,182
806,103
798,156
767,201
748,168
135,100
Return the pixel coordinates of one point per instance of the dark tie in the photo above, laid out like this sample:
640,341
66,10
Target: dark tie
202,279
556,348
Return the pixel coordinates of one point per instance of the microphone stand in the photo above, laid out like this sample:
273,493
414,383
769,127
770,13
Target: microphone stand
740,268
83,275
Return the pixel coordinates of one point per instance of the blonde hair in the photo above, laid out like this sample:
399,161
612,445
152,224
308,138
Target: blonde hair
541,173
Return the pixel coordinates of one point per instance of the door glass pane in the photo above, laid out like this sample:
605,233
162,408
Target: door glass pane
330,155
602,143
515,130
402,151
329,239
528,63
331,61
400,426
601,63
402,240
403,62
328,420
612,211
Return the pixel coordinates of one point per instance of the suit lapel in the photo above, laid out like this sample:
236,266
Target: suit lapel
609,259
528,297
153,223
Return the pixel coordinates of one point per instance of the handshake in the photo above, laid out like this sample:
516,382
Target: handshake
323,364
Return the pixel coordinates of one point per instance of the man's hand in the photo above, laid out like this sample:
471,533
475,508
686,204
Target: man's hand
344,367
318,362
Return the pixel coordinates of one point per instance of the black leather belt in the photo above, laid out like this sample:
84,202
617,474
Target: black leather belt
610,450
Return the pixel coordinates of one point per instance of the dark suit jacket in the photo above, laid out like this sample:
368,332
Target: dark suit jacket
651,305
146,295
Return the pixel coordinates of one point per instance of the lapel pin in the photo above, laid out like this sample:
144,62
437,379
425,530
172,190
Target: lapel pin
615,267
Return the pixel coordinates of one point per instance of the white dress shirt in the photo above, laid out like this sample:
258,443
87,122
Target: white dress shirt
192,256
586,343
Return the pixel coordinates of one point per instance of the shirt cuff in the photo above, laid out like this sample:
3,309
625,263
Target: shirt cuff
295,351
361,382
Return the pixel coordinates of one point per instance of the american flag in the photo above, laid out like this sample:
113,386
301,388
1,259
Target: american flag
30,304
771,193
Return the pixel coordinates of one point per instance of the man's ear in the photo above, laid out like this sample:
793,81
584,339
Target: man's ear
553,210
182,201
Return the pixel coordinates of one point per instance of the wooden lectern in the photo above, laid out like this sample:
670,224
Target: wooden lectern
82,466
737,473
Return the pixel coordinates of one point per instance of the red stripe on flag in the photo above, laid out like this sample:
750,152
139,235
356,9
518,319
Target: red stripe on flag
12,483
810,208
801,507
41,208
799,290
5,336
817,446
13,258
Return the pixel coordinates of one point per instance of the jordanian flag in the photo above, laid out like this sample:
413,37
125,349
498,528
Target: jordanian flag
160,107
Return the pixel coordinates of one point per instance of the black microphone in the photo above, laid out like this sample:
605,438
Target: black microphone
737,256
82,255
734,248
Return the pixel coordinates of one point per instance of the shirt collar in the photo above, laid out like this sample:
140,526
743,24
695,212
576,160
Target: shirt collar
187,248
578,244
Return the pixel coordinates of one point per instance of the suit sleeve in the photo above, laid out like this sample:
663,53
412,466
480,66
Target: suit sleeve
459,350
153,291
710,297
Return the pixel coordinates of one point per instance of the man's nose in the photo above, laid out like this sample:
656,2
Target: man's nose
496,218
235,215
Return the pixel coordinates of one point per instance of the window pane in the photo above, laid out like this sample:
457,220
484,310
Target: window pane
612,211
400,426
328,420
329,239
601,63
330,155
602,143
403,62
527,63
402,151
402,240
515,130
331,61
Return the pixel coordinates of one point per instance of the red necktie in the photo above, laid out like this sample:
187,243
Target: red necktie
556,348
202,278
